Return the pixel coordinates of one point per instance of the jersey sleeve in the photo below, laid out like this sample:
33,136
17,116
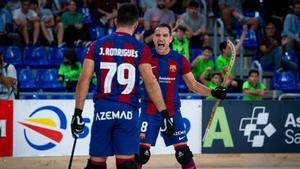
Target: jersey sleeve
146,55
186,68
90,53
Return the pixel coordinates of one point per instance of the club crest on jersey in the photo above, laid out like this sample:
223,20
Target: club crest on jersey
173,68
142,136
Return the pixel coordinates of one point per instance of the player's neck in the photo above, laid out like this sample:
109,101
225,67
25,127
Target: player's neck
163,52
125,30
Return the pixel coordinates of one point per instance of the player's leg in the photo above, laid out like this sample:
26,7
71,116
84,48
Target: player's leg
179,140
149,128
125,136
101,141
184,156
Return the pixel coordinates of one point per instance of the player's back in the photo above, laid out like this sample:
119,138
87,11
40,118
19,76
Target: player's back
117,57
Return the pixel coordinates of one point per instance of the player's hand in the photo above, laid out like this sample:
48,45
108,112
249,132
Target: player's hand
219,92
77,123
167,127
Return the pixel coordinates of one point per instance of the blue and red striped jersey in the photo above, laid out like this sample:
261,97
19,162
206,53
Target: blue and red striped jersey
168,69
117,58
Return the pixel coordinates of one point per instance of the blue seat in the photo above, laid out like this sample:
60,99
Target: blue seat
96,32
36,57
13,56
26,80
298,80
80,53
56,56
87,17
284,81
250,40
46,79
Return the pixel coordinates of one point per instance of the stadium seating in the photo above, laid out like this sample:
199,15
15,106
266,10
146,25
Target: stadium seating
56,56
96,32
12,55
80,53
46,80
36,57
26,80
284,81
194,52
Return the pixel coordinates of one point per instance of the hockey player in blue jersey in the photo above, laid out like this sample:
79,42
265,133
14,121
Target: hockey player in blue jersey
169,67
118,60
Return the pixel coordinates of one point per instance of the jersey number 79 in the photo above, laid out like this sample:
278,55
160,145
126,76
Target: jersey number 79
120,70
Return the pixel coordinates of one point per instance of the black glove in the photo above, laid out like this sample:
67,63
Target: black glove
77,123
167,127
219,92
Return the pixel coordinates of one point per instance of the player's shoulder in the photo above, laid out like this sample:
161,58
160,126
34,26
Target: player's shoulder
176,55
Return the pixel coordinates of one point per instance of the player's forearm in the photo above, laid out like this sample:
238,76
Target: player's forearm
200,89
81,92
155,94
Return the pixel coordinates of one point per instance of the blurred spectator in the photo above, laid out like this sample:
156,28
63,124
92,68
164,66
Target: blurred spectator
275,11
162,12
269,48
48,24
58,7
195,24
13,5
252,88
27,21
177,6
106,12
232,15
291,28
203,63
215,80
271,52
181,43
148,34
223,60
8,80
7,36
70,70
75,32
147,4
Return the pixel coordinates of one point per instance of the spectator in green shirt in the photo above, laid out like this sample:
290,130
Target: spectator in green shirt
202,62
70,70
223,59
181,43
252,88
75,32
216,79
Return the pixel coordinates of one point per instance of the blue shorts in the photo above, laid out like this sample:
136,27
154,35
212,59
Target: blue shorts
150,128
114,129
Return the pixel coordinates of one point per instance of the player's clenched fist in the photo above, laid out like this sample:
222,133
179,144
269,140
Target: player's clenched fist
167,126
77,123
219,92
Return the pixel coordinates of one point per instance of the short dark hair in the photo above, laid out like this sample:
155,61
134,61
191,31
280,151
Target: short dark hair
164,25
127,15
193,4
223,45
253,71
217,73
207,48
181,28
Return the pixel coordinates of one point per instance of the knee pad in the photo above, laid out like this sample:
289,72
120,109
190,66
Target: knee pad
144,155
183,155
127,165
91,165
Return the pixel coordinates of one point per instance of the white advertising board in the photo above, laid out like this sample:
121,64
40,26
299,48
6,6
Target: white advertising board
42,128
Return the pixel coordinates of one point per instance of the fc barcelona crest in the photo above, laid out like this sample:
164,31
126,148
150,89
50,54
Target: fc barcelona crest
173,68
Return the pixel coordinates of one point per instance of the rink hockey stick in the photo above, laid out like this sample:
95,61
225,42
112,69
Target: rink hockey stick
72,154
224,84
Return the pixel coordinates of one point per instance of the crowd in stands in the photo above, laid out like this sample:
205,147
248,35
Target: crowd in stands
61,24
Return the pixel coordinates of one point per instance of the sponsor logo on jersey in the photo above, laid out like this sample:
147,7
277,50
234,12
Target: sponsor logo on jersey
110,115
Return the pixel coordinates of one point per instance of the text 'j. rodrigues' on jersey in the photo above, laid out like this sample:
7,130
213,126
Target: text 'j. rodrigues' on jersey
168,70
117,58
